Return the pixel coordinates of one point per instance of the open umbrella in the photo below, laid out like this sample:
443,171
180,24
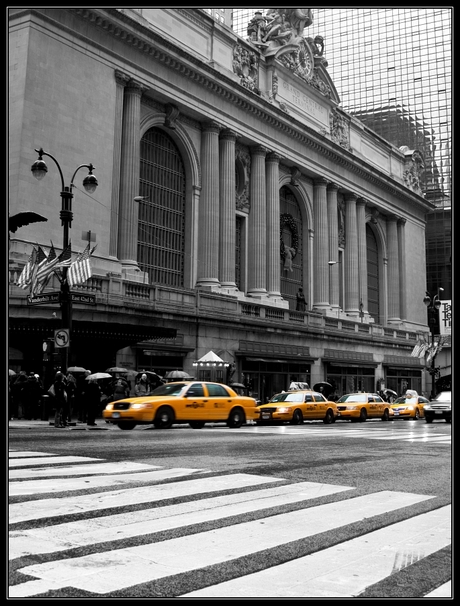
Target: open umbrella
390,392
99,375
76,369
152,376
325,387
177,374
11,373
116,369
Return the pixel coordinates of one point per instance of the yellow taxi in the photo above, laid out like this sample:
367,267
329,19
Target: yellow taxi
361,406
409,406
297,406
192,402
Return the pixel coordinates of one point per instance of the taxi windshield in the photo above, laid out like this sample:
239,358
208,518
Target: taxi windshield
404,400
169,389
353,397
288,397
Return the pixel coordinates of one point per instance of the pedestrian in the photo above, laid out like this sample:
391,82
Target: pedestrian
301,303
32,397
93,400
142,386
58,392
18,398
71,392
120,389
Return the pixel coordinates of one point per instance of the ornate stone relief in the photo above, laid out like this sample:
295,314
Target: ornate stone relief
246,66
340,129
414,168
243,170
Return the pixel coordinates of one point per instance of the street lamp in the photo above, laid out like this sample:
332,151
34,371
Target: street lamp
433,303
39,170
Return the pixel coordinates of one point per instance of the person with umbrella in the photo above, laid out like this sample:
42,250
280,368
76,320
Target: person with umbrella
92,400
142,387
120,388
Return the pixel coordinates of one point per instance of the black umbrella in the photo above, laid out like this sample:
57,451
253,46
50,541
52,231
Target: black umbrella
151,376
324,387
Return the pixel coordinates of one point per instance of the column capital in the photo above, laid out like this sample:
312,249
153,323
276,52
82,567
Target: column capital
211,127
228,135
350,196
258,150
402,221
361,201
391,217
331,186
121,78
135,87
320,182
273,157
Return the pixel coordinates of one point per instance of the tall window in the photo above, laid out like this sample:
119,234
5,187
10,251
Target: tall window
373,276
160,249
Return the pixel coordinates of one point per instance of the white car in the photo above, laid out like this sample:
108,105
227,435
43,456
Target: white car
439,408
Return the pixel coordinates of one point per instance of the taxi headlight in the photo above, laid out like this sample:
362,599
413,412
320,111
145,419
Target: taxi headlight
109,407
352,407
283,409
139,406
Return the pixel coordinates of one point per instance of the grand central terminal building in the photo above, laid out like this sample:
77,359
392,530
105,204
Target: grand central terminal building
228,178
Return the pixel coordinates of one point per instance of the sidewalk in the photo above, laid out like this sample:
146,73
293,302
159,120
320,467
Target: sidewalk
74,426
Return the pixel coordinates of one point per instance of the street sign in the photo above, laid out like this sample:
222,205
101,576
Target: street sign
49,297
87,299
62,337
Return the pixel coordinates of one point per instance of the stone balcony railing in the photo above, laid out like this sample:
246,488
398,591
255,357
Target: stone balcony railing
111,291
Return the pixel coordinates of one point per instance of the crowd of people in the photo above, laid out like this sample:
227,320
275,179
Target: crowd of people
71,394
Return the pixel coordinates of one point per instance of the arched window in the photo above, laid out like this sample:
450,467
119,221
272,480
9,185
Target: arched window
160,248
290,236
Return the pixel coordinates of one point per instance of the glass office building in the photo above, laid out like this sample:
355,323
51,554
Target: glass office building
393,70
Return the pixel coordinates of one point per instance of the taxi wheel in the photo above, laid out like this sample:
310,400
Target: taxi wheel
329,418
126,425
196,424
386,415
362,415
297,417
164,417
417,414
236,418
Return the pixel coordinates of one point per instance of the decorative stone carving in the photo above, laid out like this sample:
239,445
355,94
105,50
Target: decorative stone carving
414,169
172,114
295,174
340,129
246,66
243,170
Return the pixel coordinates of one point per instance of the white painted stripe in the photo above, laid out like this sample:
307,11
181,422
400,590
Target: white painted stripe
116,569
74,470
20,453
137,523
432,438
444,591
67,506
50,460
65,485
345,570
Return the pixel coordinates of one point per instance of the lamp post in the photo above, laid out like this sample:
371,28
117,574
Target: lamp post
433,303
39,170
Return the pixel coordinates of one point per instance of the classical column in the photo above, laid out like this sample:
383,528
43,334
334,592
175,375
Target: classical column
273,226
362,253
120,82
321,246
129,179
351,257
394,284
257,228
208,243
333,230
227,232
402,268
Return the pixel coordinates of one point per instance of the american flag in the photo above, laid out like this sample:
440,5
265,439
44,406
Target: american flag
80,270
65,258
26,274
44,274
40,262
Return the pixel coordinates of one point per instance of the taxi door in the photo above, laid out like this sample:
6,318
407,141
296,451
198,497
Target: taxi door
376,406
220,402
195,404
309,411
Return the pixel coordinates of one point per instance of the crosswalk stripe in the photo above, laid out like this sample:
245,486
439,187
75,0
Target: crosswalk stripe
29,487
93,469
345,570
146,521
67,506
443,591
134,565
15,454
48,461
